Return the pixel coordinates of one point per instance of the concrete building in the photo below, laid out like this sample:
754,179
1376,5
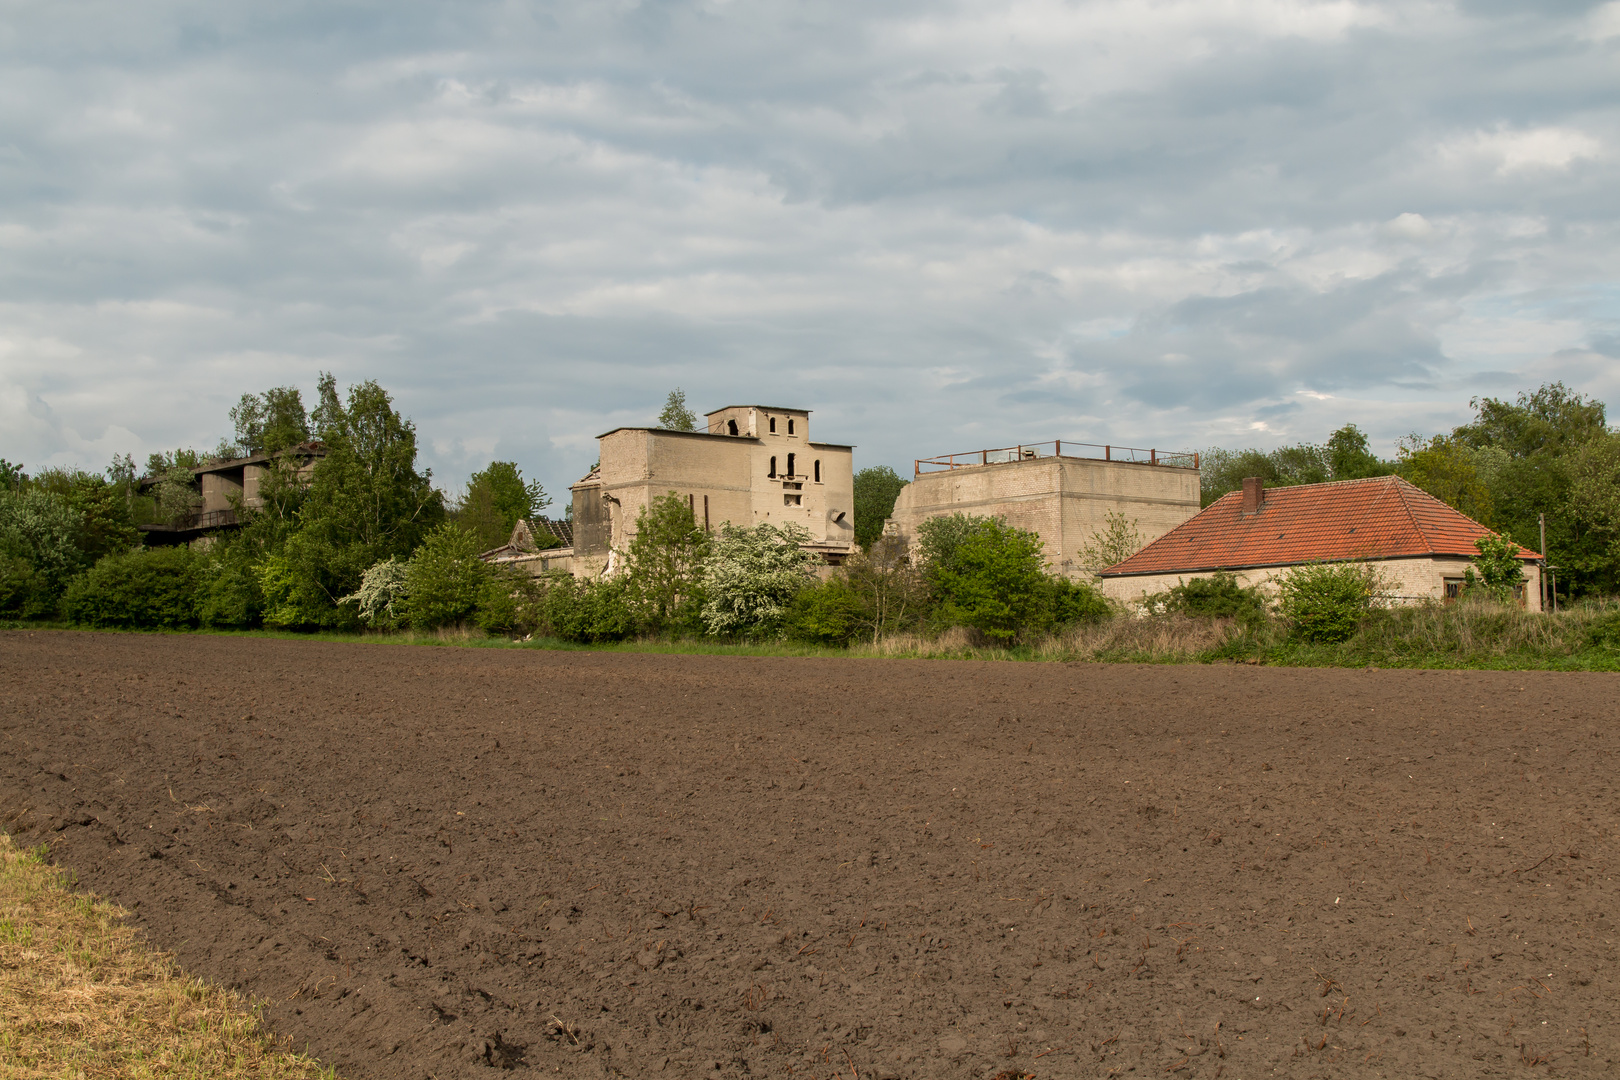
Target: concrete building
1421,546
1059,490
755,463
228,486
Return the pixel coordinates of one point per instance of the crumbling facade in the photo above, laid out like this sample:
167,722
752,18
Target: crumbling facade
755,463
228,486
1062,491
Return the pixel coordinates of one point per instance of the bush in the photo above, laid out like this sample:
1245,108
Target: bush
509,602
1216,597
380,599
988,575
1071,602
228,592
585,611
751,577
1604,632
39,551
830,613
444,579
1326,602
153,588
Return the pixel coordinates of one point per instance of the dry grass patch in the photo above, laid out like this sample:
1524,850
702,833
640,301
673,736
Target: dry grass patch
80,996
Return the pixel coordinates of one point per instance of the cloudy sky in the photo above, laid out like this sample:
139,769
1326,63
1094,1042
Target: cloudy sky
940,226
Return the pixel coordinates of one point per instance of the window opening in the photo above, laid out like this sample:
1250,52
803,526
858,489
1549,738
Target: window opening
790,465
773,468
731,427
790,425
818,471
773,425
792,500
1453,589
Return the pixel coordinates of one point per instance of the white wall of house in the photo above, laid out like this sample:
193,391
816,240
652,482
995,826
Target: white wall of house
1409,581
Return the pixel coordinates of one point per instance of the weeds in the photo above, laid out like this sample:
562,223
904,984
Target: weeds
80,996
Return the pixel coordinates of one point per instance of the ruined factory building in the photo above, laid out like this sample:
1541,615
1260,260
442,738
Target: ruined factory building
755,463
1422,546
1060,490
228,486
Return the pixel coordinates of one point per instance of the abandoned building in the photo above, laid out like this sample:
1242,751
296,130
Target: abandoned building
1422,547
523,551
755,463
1061,491
228,486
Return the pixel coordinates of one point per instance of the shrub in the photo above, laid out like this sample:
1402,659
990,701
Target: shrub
1327,601
152,588
509,602
987,575
1218,596
443,579
1498,565
39,551
830,613
228,592
1072,602
752,575
585,611
380,599
664,566
1604,632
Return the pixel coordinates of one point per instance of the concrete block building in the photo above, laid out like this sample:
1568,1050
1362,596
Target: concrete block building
754,463
1421,547
1059,490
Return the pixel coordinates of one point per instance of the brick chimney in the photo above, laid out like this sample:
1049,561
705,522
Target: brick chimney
1254,494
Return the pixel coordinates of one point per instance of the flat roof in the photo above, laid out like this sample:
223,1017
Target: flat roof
673,431
772,408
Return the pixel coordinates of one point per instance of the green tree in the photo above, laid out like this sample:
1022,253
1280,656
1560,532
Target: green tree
1326,602
1594,492
1346,455
663,569
991,576
271,421
150,588
1530,449
676,416
12,477
105,508
1115,542
39,551
876,489
1448,469
496,499
751,577
1349,456
1497,569
444,579
365,502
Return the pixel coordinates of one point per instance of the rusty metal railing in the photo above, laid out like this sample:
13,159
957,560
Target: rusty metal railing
1057,448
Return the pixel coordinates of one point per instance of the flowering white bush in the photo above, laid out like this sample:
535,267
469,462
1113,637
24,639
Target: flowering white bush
752,575
381,592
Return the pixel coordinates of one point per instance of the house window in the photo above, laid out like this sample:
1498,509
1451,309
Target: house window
773,425
790,465
792,500
773,467
790,425
731,427
818,471
1452,588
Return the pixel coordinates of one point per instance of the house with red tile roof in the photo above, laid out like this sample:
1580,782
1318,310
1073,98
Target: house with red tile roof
1421,546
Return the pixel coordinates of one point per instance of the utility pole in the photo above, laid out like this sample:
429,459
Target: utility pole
1542,518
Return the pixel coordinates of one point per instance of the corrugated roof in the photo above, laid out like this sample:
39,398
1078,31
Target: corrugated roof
1381,518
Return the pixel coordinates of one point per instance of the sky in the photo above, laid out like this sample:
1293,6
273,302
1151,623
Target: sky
939,226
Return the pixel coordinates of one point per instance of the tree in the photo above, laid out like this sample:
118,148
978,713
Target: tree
986,574
1449,470
39,551
663,569
444,579
1115,542
1345,455
366,502
107,526
496,499
1350,458
12,477
676,416
1594,492
752,575
271,421
876,489
1500,570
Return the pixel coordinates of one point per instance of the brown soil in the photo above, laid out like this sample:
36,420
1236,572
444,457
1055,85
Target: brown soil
435,862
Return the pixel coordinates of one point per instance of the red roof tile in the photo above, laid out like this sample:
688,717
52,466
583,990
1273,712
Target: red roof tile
1381,518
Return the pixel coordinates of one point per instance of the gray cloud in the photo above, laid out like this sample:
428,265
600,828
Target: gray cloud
939,227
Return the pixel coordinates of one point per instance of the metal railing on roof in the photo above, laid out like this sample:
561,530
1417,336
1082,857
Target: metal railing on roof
1057,448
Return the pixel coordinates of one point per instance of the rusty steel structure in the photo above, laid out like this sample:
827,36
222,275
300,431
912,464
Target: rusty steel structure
1178,459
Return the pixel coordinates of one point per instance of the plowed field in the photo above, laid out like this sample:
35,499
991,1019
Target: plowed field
439,862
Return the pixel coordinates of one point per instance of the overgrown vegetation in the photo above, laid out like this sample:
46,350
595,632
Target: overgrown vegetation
81,996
